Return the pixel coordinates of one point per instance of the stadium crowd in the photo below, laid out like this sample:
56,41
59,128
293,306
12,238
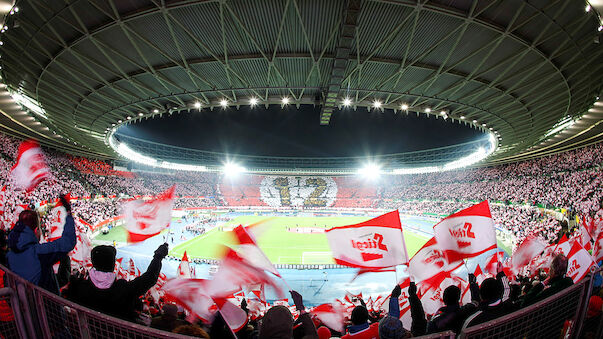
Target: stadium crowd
570,180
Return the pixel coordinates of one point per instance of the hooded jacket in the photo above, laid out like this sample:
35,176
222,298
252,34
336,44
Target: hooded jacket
33,261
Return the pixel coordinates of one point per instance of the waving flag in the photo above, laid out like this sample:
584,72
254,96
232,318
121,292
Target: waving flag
428,261
479,275
249,250
58,217
233,315
192,294
2,199
584,236
376,243
235,273
529,249
467,233
579,262
332,315
184,271
30,169
145,219
598,248
83,246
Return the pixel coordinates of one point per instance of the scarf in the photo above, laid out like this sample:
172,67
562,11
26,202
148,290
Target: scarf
102,280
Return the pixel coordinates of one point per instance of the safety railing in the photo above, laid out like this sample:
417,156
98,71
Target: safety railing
27,311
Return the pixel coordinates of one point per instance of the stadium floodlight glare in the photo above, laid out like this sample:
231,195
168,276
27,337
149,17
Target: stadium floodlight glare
140,114
155,110
347,102
416,170
285,100
377,104
128,117
224,103
462,117
404,107
370,171
253,101
197,104
31,104
427,109
231,169
587,8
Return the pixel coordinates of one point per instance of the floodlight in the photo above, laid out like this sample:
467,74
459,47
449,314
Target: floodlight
232,169
587,8
155,110
347,102
129,117
224,103
404,107
197,104
370,170
140,114
427,109
119,121
442,112
253,101
285,100
462,117
377,104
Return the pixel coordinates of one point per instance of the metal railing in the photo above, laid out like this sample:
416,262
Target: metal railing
37,313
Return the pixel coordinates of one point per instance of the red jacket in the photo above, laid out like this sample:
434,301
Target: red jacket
371,332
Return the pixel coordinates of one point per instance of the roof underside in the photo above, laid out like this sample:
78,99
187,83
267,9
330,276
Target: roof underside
519,67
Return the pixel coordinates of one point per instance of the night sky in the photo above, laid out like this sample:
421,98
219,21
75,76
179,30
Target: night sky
297,132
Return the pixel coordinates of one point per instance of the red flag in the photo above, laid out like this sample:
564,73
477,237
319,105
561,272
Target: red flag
132,269
579,262
428,261
57,219
479,275
376,243
249,250
184,271
192,294
145,219
332,315
30,169
492,262
83,246
564,245
531,247
598,248
584,236
2,199
467,233
233,315
236,272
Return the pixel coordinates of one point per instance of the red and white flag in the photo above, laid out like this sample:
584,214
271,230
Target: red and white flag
479,275
428,261
598,248
2,199
83,246
376,243
467,233
564,245
233,315
57,219
332,315
492,262
192,294
145,219
584,236
250,251
529,249
184,270
579,262
236,273
132,269
31,168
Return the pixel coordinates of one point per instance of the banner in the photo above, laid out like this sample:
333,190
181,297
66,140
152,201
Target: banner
376,243
429,261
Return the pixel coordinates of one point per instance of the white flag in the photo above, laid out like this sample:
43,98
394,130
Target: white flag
373,244
145,219
30,169
467,233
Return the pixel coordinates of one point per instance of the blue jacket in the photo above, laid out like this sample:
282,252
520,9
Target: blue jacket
33,261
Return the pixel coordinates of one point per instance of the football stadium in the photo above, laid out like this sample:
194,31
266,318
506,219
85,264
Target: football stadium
301,169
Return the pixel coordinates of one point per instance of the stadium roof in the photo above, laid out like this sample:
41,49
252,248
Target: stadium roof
529,71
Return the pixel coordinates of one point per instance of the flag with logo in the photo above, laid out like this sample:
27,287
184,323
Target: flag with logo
30,168
145,219
376,243
332,315
467,233
529,249
56,222
428,261
579,262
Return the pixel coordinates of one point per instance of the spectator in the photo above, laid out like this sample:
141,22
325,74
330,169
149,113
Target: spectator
102,292
494,301
278,321
168,320
30,259
555,282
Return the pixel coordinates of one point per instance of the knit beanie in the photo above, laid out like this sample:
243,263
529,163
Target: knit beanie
103,258
359,315
277,324
490,290
323,333
391,328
